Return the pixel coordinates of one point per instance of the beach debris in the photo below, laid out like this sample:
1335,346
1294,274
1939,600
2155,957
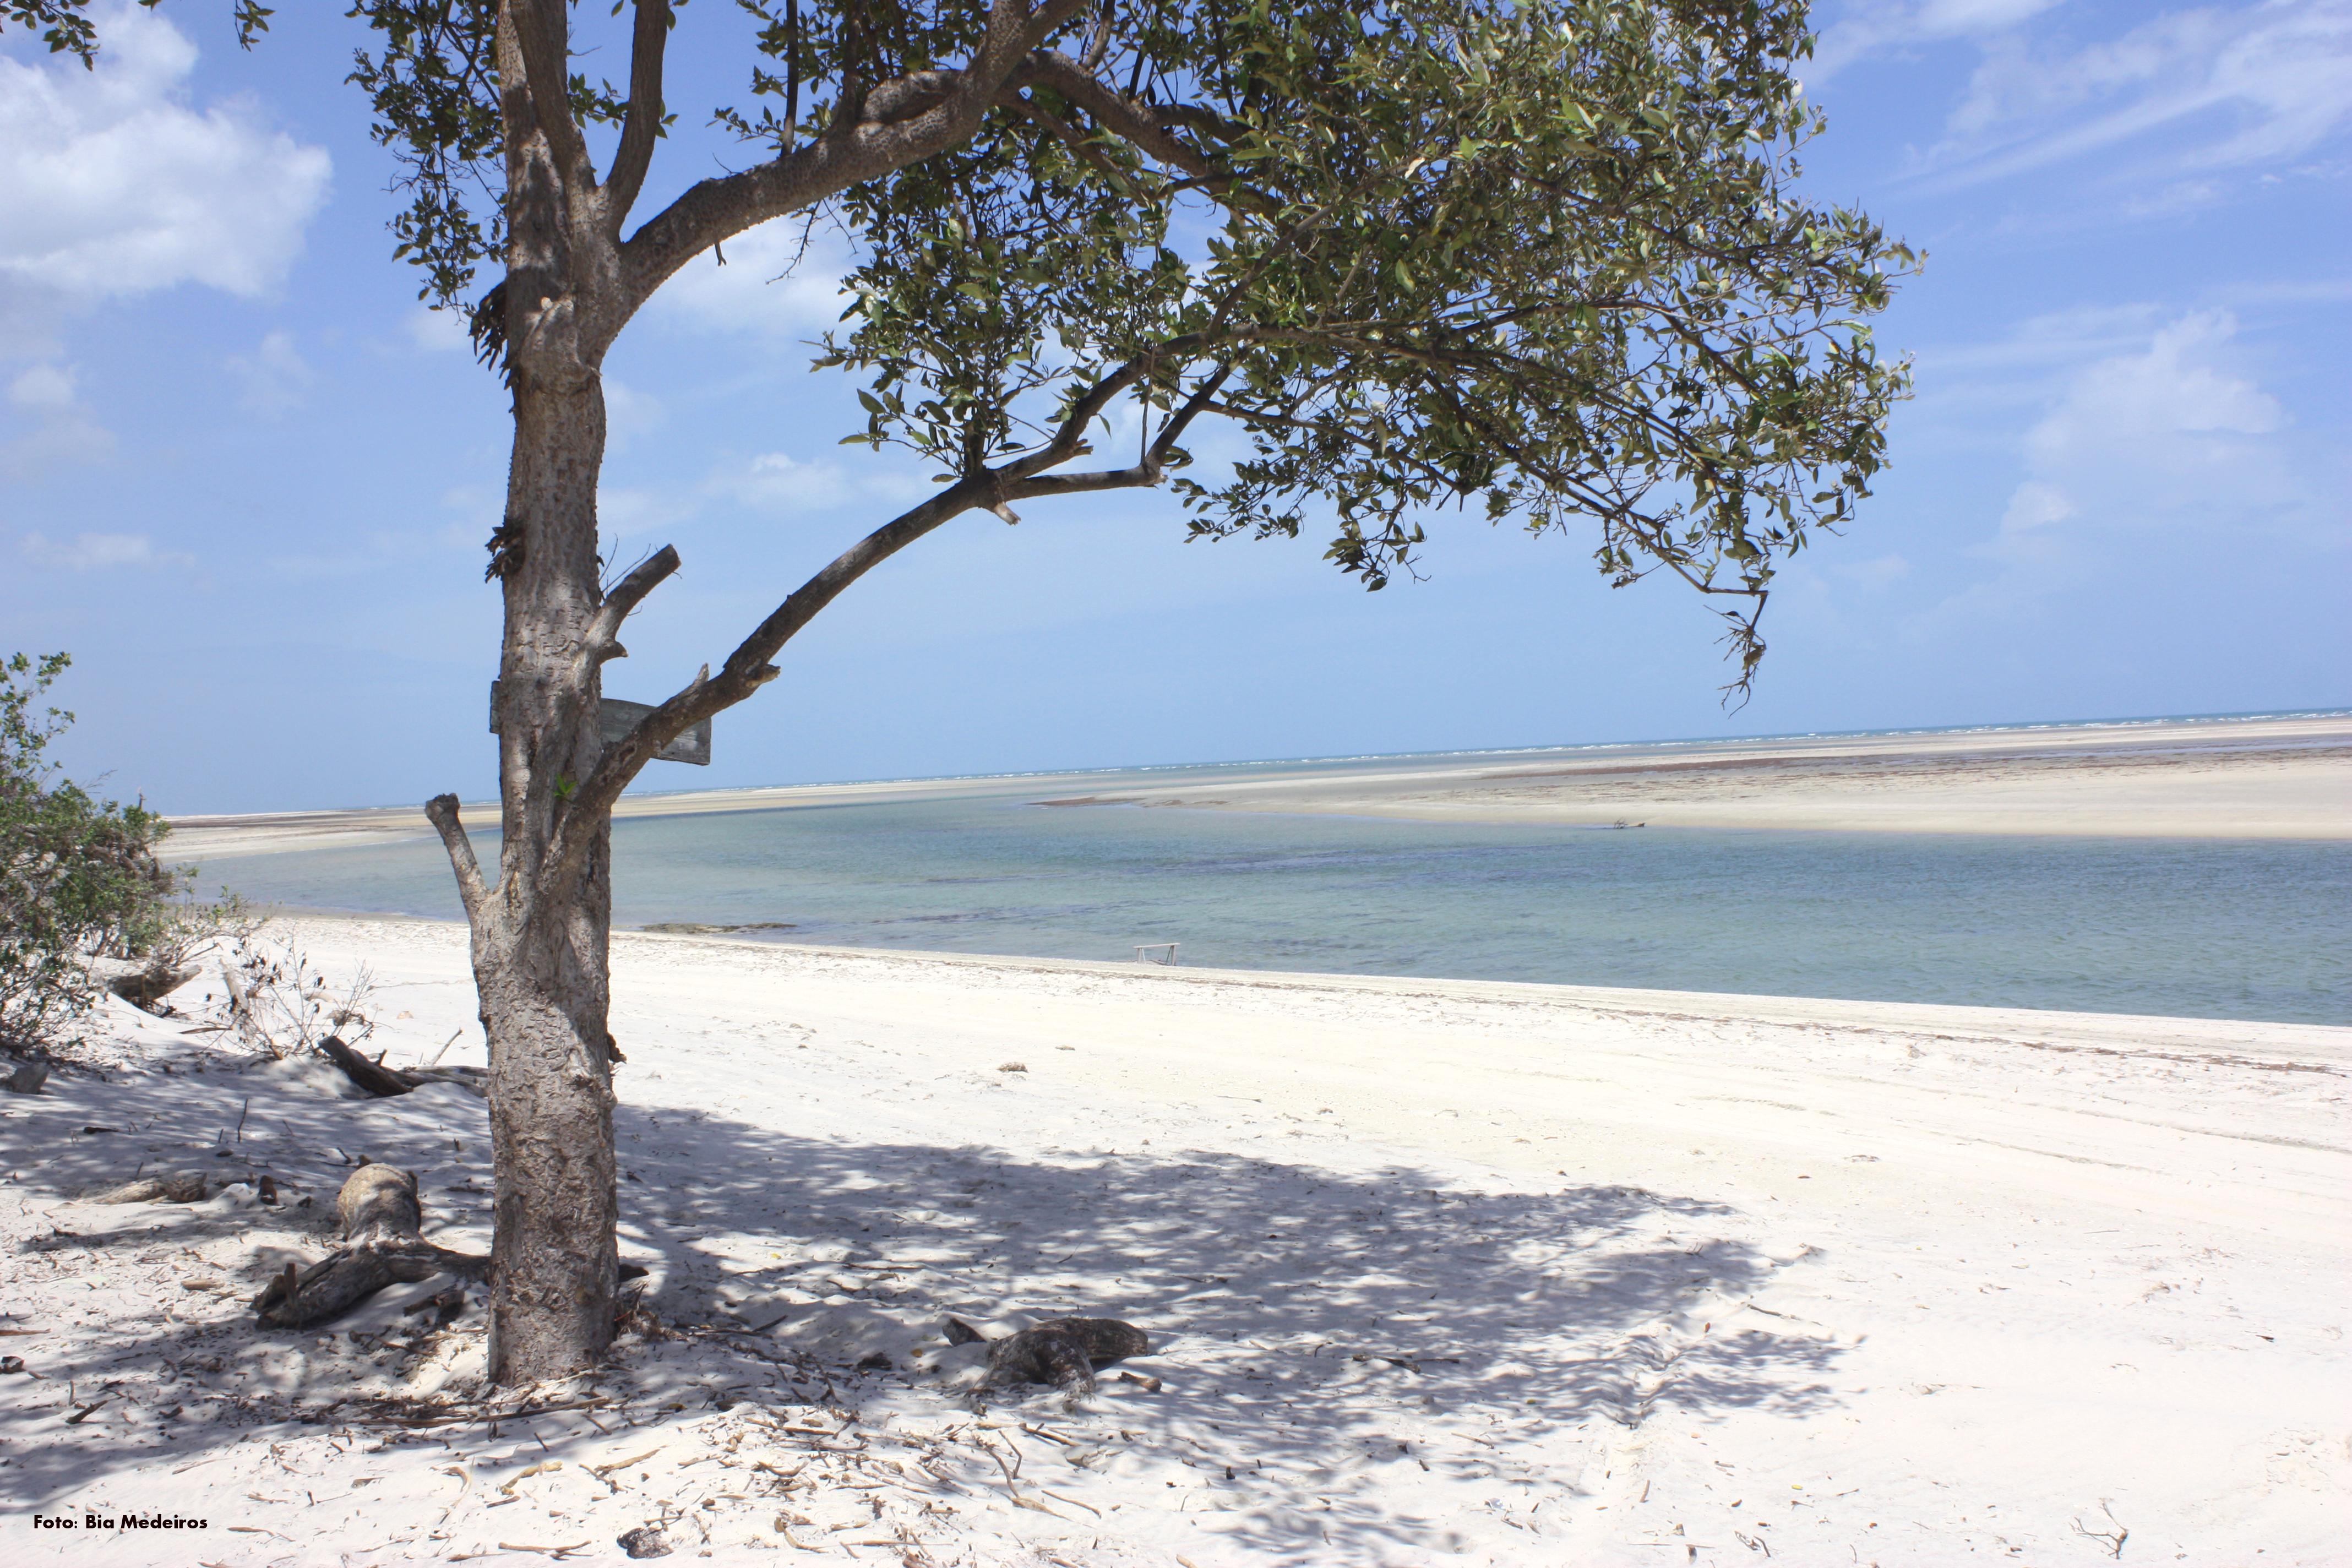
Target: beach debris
446,1306
379,1081
1013,1067
2112,1540
644,1541
27,1078
1064,1351
145,987
382,1082
381,1218
526,1473
187,1187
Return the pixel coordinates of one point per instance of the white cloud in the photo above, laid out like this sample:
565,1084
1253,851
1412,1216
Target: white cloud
628,413
114,186
43,388
101,552
2260,84
438,331
770,285
626,511
1878,573
775,482
275,375
2170,434
64,433
2172,407
2035,508
1874,27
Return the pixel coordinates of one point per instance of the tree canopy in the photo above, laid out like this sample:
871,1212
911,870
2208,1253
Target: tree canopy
1546,260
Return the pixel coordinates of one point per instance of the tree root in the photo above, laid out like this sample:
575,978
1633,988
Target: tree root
381,1217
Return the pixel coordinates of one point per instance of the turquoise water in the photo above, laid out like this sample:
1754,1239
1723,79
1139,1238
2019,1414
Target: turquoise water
2212,929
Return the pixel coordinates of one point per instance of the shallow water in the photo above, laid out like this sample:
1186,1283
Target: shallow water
2210,929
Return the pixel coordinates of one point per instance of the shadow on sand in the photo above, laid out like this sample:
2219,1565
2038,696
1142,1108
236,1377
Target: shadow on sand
1367,1331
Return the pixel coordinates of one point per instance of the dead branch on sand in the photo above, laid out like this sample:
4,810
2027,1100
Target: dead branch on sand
382,1244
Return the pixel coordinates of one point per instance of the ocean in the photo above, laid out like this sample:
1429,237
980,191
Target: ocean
2229,928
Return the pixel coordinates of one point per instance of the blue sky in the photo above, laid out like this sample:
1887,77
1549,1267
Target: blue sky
246,479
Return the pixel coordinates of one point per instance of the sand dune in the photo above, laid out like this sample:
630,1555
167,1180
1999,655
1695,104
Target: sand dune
1435,1271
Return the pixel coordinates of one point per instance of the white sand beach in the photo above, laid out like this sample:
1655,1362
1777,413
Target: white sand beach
1433,1271
2224,778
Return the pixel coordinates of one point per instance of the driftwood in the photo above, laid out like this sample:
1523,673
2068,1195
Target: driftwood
379,1081
384,1083
187,1187
1064,1351
146,988
381,1218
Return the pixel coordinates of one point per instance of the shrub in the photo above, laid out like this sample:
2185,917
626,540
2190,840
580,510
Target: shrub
78,876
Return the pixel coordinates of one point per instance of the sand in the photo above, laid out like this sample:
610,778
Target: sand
2242,778
2217,779
1435,1271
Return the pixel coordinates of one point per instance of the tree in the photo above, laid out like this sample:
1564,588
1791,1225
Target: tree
1545,256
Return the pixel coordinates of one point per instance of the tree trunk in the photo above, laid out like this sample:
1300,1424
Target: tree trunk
552,1134
540,959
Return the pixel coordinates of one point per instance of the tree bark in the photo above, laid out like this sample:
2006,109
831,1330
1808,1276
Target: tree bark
541,959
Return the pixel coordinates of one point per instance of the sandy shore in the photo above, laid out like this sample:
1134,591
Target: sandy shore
2223,779
2257,778
1435,1271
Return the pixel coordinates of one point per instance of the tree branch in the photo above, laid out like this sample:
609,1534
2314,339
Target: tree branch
442,811
748,667
1133,121
879,129
546,53
604,639
648,38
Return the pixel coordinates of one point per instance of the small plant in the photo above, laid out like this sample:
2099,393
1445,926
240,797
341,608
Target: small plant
79,880
277,1001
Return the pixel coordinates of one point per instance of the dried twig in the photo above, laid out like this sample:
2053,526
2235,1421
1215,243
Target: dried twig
2114,1543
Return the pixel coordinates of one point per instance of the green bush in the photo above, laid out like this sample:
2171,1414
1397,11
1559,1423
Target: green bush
78,876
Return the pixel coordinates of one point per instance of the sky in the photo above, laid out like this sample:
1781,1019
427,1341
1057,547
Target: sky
246,478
